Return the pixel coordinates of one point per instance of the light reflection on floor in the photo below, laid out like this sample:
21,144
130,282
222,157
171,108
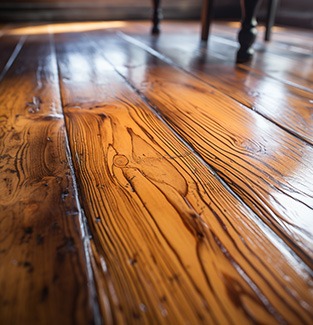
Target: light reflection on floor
66,27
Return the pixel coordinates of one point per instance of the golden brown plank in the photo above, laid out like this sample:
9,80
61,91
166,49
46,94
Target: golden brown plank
43,277
171,243
285,105
267,167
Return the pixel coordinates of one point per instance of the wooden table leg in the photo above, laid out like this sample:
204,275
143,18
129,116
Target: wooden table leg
206,18
156,17
248,32
270,18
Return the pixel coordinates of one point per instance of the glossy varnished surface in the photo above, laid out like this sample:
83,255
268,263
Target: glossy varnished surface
233,140
195,178
43,266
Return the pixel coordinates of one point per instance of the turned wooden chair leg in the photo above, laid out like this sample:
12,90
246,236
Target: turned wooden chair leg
206,18
270,18
248,32
156,17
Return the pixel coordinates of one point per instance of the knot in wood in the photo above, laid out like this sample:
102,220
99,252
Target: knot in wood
120,161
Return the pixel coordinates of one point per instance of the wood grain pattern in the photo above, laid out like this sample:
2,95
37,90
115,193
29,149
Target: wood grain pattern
194,196
172,243
285,105
256,158
43,276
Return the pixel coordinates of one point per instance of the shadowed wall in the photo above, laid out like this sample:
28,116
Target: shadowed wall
289,12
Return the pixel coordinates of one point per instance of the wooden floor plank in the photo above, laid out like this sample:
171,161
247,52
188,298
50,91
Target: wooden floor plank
9,50
295,40
172,244
285,105
268,168
278,64
282,65
198,208
43,274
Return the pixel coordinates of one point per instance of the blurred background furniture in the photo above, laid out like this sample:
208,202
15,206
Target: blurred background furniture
248,31
248,9
289,12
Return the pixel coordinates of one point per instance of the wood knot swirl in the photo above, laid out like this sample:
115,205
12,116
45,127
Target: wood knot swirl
120,161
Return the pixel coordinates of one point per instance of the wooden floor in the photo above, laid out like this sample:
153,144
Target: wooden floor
150,180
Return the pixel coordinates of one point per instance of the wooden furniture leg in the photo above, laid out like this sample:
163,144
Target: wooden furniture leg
270,18
206,18
248,32
156,17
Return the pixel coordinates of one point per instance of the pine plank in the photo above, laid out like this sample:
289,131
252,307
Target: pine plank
285,105
43,274
268,168
171,244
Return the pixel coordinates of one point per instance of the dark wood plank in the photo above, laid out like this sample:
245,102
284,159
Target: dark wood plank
278,63
293,37
10,47
282,65
297,40
285,105
172,244
267,167
43,273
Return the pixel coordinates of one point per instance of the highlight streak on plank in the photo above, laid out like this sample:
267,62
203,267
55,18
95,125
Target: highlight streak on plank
268,168
172,244
43,278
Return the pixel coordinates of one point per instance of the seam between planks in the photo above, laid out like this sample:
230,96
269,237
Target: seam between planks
83,223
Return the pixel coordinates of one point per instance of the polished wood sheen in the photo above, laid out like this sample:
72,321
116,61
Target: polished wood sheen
170,90
150,181
43,269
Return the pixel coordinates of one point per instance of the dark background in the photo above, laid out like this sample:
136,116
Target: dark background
290,12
